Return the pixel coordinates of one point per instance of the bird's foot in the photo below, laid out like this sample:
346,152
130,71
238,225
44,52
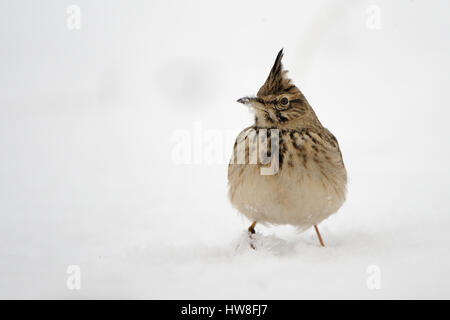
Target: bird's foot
251,240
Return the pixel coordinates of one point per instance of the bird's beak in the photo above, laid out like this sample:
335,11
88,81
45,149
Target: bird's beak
245,100
251,102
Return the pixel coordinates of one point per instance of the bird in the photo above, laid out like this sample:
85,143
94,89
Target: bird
305,180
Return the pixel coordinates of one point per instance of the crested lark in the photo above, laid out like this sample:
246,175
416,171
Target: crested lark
306,180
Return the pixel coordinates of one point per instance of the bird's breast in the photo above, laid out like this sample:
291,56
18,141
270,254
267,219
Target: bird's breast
307,185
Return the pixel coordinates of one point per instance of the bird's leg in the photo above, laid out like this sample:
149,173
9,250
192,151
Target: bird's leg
251,231
319,236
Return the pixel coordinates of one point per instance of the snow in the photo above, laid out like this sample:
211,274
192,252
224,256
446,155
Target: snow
88,176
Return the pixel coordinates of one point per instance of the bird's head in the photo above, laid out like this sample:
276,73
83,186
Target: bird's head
279,102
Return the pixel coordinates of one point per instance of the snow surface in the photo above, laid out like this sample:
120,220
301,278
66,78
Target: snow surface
87,172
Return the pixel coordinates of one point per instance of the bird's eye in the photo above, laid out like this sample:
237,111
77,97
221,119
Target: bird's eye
284,101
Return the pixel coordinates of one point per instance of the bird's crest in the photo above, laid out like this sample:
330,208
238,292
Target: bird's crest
277,81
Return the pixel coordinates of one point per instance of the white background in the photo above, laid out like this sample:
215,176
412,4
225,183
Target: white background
87,125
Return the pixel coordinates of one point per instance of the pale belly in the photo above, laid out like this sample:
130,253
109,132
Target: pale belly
296,197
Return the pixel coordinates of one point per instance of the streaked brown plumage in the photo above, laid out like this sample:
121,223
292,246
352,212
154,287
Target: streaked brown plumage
309,182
